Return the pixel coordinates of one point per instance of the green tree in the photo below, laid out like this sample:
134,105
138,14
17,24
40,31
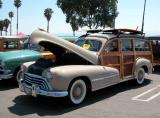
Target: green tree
11,15
1,26
91,13
17,4
6,24
48,14
1,3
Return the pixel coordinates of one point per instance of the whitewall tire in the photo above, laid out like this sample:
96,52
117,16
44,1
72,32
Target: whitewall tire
140,76
77,92
18,75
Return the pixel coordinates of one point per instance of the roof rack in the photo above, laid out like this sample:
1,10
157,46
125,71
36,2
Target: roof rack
122,31
94,31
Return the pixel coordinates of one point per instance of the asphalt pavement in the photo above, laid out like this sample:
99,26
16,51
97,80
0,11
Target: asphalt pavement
124,100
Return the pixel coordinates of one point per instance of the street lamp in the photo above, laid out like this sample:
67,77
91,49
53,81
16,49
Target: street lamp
143,15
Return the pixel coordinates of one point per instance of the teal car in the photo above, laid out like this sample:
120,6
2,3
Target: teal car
11,61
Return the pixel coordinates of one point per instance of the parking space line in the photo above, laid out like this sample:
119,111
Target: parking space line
146,92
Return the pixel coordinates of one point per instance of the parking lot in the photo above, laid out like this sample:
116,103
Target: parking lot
124,100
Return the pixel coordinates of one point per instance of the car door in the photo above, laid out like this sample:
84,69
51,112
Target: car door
110,55
127,52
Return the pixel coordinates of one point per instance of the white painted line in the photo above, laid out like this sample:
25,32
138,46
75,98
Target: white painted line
154,96
150,98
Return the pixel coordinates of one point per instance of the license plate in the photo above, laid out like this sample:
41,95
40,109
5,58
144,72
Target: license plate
34,90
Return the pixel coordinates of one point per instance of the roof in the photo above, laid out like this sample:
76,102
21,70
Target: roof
122,31
106,36
13,38
110,34
153,37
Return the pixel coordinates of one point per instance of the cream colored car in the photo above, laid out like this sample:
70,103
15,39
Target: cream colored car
94,62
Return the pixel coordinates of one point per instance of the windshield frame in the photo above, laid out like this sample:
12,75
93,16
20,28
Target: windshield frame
85,39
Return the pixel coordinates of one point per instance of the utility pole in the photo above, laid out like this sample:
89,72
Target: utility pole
143,15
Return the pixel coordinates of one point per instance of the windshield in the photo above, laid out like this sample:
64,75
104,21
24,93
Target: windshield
89,44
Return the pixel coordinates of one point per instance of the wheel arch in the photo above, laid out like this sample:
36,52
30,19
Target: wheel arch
85,79
143,63
16,70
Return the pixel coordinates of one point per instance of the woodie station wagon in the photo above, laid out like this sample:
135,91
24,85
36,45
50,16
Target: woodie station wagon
93,62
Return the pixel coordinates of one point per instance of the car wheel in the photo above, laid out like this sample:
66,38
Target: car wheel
140,76
18,75
77,92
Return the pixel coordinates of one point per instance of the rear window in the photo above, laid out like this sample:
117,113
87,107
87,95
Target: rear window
142,45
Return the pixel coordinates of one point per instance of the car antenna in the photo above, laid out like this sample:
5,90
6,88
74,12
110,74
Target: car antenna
143,16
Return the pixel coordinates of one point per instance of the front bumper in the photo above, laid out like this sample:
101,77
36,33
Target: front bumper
35,91
5,74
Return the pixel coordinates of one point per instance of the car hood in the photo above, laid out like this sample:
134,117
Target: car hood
39,36
6,56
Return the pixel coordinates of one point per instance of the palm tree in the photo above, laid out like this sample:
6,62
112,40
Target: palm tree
1,26
1,3
48,14
6,24
11,15
17,4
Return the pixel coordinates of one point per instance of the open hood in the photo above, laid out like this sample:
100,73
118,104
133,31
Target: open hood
39,36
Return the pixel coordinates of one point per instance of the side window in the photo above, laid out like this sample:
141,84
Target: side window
141,45
127,45
112,46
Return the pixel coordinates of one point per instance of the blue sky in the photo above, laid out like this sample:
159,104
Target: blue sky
130,16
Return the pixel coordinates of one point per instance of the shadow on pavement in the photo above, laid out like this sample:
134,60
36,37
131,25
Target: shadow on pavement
7,84
47,106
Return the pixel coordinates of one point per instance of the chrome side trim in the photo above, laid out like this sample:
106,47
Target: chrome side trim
102,78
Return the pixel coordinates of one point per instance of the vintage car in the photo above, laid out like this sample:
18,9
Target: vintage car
155,43
9,43
11,61
94,62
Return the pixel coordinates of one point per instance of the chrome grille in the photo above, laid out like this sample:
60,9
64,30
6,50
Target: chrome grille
1,72
40,82
1,68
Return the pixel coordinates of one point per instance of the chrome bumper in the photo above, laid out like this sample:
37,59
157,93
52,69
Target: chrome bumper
6,74
35,91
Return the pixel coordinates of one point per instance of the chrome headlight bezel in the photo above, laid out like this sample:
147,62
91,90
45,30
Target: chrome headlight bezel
24,68
47,74
2,63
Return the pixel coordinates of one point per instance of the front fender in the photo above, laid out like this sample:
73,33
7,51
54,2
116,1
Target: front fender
62,76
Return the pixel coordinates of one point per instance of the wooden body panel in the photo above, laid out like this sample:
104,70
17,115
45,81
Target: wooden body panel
124,61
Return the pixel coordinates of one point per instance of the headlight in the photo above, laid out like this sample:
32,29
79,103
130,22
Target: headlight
47,74
24,68
2,63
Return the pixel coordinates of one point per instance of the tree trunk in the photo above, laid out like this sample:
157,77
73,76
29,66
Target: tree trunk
1,33
17,20
11,27
74,33
48,26
6,32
